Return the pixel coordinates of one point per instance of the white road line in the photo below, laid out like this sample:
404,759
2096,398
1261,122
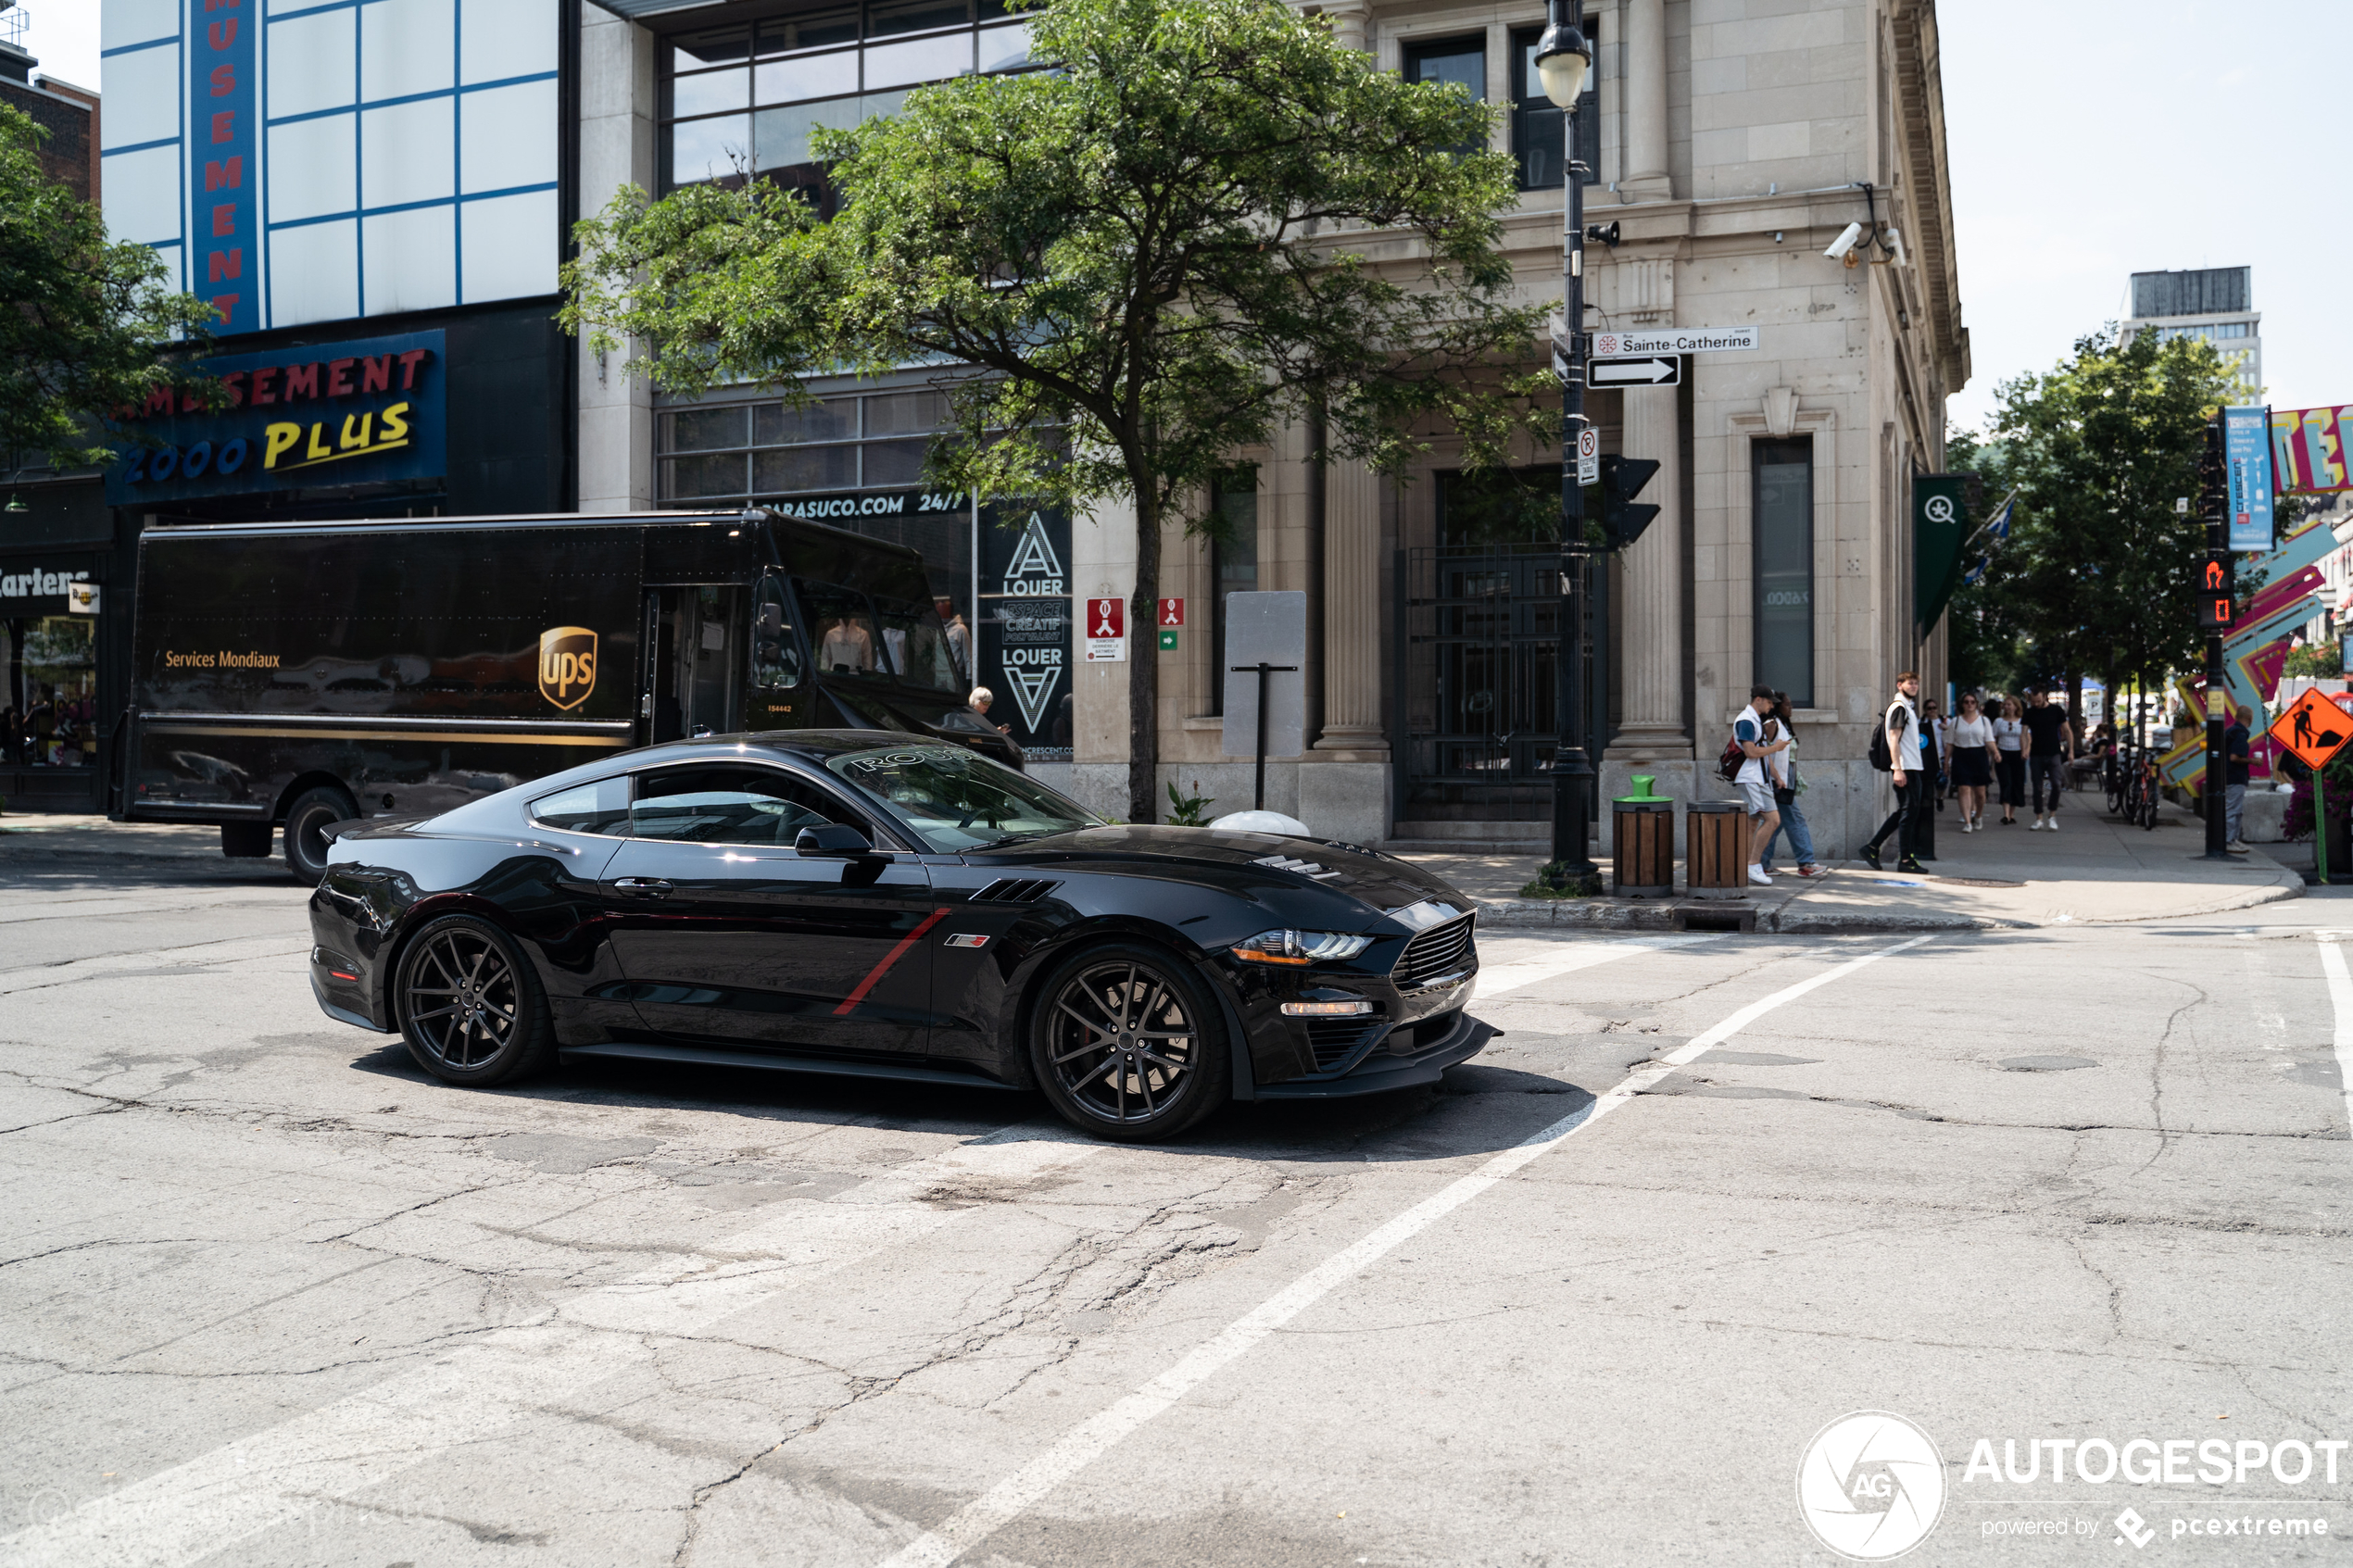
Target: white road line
234,1492
2340,998
1496,979
1009,1499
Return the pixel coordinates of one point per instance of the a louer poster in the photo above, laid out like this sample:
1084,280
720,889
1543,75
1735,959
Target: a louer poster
1025,625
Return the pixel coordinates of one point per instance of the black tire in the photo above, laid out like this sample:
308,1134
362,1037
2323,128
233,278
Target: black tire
1088,1036
306,821
470,1006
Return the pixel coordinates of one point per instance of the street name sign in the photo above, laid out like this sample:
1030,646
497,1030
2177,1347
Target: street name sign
1659,370
1674,340
2312,728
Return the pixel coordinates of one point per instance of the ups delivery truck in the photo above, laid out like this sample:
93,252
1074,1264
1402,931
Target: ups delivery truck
296,675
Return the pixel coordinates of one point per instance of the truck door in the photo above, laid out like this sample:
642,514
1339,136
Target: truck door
694,655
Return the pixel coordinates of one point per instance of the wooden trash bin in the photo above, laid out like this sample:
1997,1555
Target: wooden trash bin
1716,837
1643,832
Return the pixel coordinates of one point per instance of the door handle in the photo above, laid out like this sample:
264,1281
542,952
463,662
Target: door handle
642,886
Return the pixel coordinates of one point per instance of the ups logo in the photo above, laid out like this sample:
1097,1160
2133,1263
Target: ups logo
567,665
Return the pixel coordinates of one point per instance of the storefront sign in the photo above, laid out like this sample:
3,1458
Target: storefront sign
843,510
332,414
222,170
82,598
1026,630
44,589
2309,447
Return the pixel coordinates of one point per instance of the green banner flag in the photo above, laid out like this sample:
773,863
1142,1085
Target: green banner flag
1940,527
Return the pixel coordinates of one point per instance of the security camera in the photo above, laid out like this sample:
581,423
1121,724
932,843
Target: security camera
1843,247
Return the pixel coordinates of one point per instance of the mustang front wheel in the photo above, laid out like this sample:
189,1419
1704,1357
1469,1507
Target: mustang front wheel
1127,1045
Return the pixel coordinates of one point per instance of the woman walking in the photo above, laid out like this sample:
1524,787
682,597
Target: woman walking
2010,733
1780,769
1972,762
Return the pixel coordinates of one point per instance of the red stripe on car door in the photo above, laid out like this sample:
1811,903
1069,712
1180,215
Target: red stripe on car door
874,975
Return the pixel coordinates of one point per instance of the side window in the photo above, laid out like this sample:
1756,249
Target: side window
730,805
841,628
601,807
775,657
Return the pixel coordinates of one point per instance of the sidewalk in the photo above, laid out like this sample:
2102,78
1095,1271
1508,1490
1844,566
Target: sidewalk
2092,871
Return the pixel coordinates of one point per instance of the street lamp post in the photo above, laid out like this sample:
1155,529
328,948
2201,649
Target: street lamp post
1563,60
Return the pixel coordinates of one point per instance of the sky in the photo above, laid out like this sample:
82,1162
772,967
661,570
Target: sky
2089,140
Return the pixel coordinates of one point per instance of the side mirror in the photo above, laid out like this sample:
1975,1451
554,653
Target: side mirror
832,838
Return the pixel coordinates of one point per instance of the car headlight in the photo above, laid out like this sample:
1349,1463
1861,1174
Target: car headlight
1301,947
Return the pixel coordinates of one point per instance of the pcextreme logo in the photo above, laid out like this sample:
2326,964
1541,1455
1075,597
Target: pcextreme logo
567,665
1872,1485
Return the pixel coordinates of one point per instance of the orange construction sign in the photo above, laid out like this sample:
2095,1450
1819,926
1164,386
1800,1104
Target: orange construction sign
2312,728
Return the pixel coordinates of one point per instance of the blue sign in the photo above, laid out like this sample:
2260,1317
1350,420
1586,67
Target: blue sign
224,177
2247,459
332,414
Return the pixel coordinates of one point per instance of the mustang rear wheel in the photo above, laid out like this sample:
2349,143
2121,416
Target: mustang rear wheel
1128,1043
471,1007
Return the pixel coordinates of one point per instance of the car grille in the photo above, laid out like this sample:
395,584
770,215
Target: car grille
1441,950
1334,1039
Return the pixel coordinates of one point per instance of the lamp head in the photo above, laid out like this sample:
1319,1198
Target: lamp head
1563,57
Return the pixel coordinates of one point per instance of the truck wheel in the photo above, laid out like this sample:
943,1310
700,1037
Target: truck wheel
306,822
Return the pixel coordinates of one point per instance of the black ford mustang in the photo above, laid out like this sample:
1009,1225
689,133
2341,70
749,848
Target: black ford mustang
844,902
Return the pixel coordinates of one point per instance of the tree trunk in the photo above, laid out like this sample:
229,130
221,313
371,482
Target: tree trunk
1143,662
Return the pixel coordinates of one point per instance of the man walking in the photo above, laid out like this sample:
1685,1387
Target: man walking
1754,783
2048,741
1902,722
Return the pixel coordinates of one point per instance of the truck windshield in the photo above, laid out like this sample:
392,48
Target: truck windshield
956,800
854,635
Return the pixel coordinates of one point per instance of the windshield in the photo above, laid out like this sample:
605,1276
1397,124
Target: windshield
956,800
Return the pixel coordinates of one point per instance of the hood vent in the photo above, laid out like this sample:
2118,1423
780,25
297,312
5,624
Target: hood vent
1304,867
1009,890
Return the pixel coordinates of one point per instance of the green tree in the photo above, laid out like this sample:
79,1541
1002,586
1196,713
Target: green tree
1138,265
87,323
2099,575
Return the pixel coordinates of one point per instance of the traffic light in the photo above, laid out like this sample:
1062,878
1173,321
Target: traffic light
2217,591
1622,479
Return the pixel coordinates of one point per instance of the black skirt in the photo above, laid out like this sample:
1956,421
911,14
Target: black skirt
1973,768
2013,774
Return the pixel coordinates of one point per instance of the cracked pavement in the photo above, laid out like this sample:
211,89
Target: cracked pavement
269,1296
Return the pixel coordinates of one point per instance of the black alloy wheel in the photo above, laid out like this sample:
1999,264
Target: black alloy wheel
470,1005
1127,1045
313,811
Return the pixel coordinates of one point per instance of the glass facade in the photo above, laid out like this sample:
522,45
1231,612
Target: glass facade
1784,566
745,99
48,711
727,452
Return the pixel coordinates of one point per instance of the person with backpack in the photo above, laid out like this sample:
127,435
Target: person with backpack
1743,763
1896,750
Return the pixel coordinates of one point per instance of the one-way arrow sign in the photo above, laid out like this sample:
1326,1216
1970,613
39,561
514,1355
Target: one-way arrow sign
1663,371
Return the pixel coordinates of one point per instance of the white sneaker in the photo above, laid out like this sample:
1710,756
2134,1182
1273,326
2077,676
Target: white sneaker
2036,826
1756,875
2050,823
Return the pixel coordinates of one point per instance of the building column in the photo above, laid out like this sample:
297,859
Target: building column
1352,655
1646,98
1352,24
1652,679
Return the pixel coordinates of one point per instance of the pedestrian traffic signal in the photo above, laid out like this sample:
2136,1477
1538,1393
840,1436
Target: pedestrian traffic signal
1622,479
2217,592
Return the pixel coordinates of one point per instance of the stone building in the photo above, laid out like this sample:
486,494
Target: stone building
1731,141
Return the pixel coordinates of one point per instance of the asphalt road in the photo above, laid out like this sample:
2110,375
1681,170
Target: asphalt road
267,1296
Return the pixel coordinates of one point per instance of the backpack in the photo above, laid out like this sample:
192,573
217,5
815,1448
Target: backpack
1880,757
1734,759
